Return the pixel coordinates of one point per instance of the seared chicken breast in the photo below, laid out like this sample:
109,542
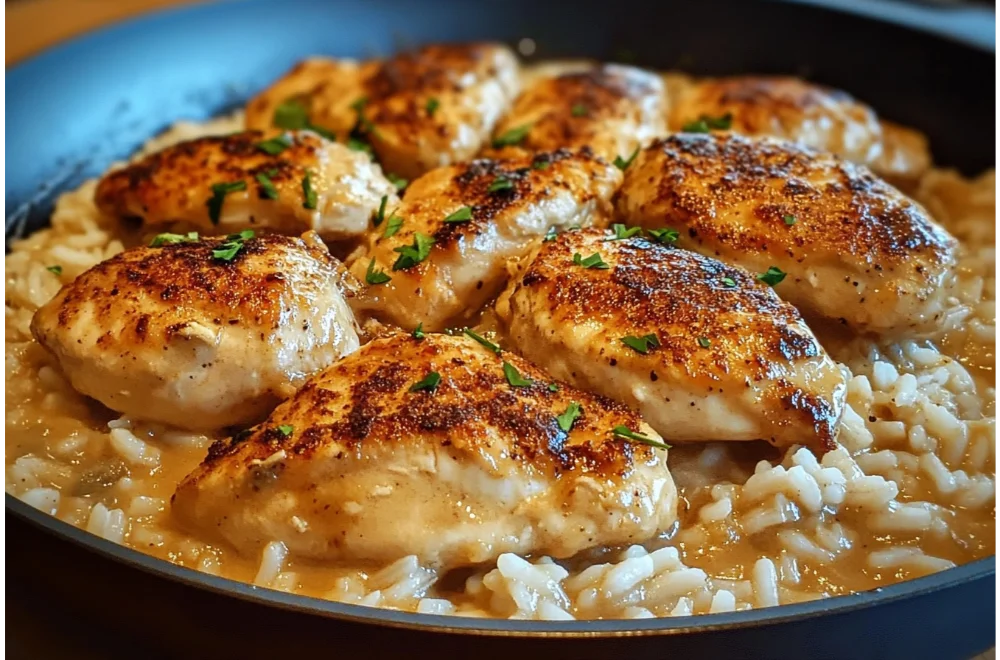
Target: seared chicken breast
786,107
419,109
437,447
289,183
701,349
442,253
853,247
200,334
611,108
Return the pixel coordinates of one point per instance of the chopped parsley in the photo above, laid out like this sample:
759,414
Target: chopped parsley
429,382
291,114
380,214
286,429
623,164
593,261
483,340
357,144
397,181
728,281
55,270
411,255
309,197
641,344
512,137
169,239
500,183
358,104
275,145
665,235
551,234
392,226
463,214
514,376
267,188
219,192
628,434
553,387
540,163
228,250
704,342
432,105
373,276
621,232
772,277
566,419
706,124
790,220
578,110
418,332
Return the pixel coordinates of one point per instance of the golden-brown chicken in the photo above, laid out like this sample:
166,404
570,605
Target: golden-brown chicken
442,254
854,248
437,447
419,109
786,107
701,349
611,108
289,183
200,334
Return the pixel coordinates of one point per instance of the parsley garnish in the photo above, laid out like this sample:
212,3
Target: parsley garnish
418,332
55,270
514,376
566,419
641,344
286,429
664,235
266,185
512,137
500,183
380,214
578,110
623,164
234,243
429,382
627,433
219,192
704,342
357,144
483,340
772,277
169,239
540,163
411,255
706,124
322,132
358,104
373,276
593,261
432,105
291,114
463,214
551,234
397,181
553,387
790,220
309,197
275,145
391,227
728,281
621,233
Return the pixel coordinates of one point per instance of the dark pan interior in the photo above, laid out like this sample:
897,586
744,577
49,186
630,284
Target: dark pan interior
74,109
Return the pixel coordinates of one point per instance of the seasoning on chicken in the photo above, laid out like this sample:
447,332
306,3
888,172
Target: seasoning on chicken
442,254
439,447
701,349
290,183
843,244
200,333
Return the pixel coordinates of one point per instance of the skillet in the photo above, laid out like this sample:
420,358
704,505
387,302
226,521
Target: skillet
76,108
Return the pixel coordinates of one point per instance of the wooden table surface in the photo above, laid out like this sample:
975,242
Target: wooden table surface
31,26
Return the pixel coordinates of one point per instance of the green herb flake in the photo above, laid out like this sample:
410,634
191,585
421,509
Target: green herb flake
55,270
392,226
704,342
228,250
790,220
628,434
309,197
593,261
418,332
623,164
483,341
219,192
358,104
551,234
500,183
540,163
512,137
291,114
397,181
275,145
728,281
553,387
428,384
706,124
566,419
432,105
411,255
357,144
267,188
514,376
772,277
380,214
374,277
622,233
641,344
169,239
664,236
578,110
463,214
286,429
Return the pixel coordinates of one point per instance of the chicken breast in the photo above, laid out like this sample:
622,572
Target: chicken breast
200,334
442,254
824,118
613,109
854,248
436,447
701,349
290,183
419,109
